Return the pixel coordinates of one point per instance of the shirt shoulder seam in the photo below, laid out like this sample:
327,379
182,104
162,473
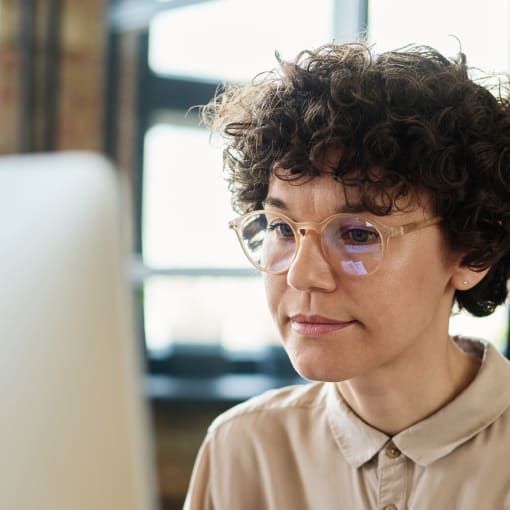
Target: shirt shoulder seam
265,407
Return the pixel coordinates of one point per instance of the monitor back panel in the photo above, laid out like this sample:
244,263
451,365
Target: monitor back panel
73,426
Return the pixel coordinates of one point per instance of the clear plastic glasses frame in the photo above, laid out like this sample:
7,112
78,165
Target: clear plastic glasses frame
299,229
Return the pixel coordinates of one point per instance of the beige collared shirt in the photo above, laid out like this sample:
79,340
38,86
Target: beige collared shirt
302,448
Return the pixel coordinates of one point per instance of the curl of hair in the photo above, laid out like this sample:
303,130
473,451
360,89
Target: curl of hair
407,122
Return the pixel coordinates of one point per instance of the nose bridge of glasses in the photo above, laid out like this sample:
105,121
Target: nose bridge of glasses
303,228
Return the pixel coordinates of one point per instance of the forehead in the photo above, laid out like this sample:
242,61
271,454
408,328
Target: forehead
324,195
371,191
313,193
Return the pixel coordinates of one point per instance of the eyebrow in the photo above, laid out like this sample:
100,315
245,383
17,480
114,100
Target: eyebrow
356,207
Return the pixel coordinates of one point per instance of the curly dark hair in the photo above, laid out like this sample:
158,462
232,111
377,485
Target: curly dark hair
406,122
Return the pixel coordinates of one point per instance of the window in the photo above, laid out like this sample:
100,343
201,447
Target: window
480,29
232,40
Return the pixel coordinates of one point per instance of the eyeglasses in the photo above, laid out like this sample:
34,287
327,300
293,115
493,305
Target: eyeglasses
353,243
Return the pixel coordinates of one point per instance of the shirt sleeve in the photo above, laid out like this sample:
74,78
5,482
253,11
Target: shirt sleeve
199,496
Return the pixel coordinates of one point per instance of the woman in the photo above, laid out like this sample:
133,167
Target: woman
375,193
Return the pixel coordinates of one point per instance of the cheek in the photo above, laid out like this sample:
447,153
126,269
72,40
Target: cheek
410,289
275,286
423,264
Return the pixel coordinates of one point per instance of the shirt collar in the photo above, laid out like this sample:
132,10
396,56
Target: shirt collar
474,409
358,441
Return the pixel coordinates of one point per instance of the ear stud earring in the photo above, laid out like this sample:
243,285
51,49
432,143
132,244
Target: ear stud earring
465,282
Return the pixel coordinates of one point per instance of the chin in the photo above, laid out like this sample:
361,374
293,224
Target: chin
319,360
318,370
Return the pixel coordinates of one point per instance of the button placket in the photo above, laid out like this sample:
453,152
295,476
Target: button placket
392,472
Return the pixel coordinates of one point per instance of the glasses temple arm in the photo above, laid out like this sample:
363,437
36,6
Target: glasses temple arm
416,225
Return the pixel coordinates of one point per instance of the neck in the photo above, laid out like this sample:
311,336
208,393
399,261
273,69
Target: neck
391,400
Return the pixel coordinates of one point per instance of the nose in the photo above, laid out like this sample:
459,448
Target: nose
310,270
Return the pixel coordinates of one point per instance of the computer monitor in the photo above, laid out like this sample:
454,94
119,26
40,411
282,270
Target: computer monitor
74,429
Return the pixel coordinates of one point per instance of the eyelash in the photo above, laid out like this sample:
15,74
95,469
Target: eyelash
371,234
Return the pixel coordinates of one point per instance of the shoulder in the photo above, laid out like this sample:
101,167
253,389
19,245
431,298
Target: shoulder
282,403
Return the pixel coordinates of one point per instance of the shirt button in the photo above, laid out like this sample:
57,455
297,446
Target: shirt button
390,507
392,452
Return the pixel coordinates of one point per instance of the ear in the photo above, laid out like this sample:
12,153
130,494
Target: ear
464,278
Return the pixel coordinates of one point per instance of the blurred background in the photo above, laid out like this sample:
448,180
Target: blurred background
121,77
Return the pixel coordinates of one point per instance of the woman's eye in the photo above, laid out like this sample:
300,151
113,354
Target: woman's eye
361,236
283,230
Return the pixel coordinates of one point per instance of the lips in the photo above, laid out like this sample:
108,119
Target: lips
316,325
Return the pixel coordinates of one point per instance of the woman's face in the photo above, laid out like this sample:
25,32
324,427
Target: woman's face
335,326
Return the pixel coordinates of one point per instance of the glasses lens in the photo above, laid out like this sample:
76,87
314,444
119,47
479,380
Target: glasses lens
353,244
269,241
